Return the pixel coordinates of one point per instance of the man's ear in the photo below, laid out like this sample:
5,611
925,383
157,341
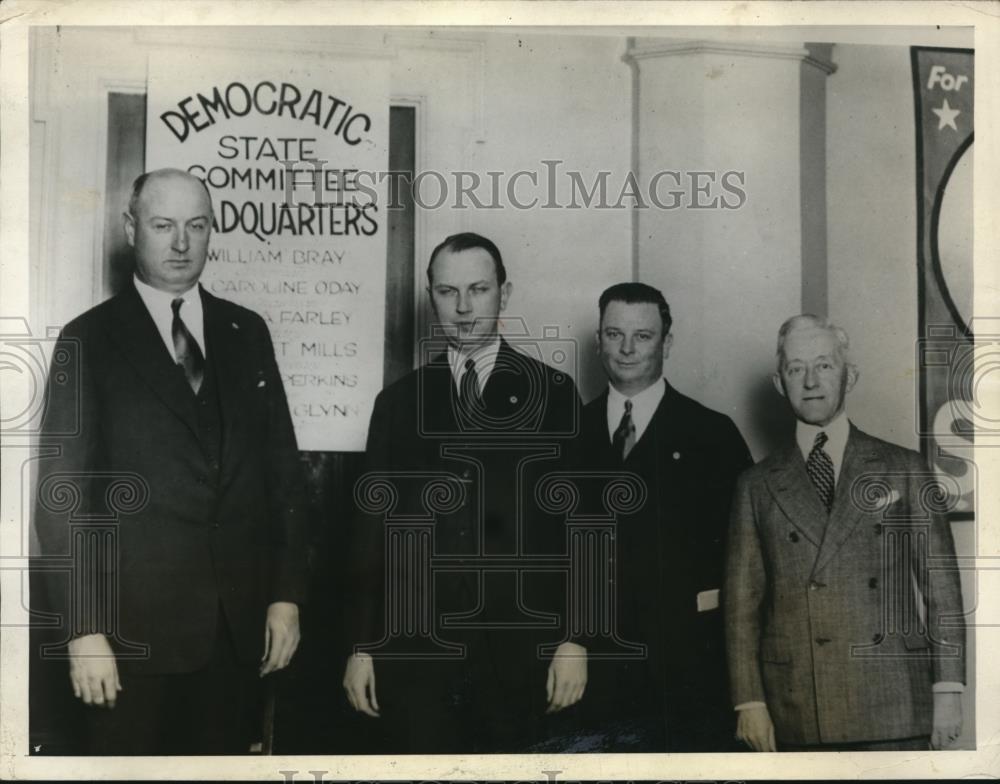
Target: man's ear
505,291
430,299
776,380
129,224
668,341
853,374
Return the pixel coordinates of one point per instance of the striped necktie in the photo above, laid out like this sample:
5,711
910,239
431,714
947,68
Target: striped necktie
186,349
624,437
819,466
468,391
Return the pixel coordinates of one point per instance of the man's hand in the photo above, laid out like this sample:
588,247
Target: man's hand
567,676
947,719
754,728
359,683
93,670
281,636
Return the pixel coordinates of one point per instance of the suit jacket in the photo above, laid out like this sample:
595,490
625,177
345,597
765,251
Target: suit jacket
417,434
835,622
670,550
222,523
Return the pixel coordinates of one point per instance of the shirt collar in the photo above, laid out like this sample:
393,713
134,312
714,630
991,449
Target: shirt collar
644,405
156,298
837,432
158,303
484,357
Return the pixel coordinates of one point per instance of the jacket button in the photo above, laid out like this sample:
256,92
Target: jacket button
873,582
793,537
822,640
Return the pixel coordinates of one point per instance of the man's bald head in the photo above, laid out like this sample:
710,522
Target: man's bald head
168,225
159,176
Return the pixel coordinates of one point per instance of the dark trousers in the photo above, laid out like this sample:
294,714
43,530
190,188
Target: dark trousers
210,711
477,705
627,707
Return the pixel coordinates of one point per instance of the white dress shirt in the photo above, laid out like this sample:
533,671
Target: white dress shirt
483,357
644,406
158,303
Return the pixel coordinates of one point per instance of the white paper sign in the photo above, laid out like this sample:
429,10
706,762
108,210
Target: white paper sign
299,236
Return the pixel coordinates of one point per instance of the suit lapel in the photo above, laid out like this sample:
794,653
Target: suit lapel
789,484
859,459
663,431
437,396
226,351
509,386
135,333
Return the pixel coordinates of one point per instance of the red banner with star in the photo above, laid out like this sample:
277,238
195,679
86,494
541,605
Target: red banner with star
943,82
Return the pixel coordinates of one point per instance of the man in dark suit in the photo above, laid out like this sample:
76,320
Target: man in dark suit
486,420
842,601
178,395
668,568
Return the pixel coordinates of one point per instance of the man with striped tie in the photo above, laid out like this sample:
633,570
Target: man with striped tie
839,636
178,392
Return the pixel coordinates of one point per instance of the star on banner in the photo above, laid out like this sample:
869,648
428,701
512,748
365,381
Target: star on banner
946,116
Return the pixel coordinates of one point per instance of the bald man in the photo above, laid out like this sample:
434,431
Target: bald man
179,389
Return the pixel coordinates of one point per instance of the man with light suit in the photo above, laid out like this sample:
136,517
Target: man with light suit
842,601
177,391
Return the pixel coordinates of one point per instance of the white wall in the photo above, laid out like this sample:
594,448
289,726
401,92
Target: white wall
872,231
558,97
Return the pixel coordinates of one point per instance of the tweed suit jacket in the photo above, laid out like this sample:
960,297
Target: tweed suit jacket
836,622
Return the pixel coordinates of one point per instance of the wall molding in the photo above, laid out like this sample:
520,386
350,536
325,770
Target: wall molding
644,51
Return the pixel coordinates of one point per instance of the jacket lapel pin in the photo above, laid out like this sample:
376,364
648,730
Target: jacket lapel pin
676,455
261,383
512,399
235,325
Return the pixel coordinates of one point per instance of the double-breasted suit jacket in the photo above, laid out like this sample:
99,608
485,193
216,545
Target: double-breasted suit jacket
218,520
842,623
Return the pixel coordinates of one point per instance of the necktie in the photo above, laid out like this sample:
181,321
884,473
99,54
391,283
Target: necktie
189,356
468,391
624,437
819,466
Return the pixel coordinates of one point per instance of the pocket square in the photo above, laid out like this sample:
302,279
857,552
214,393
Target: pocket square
708,600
